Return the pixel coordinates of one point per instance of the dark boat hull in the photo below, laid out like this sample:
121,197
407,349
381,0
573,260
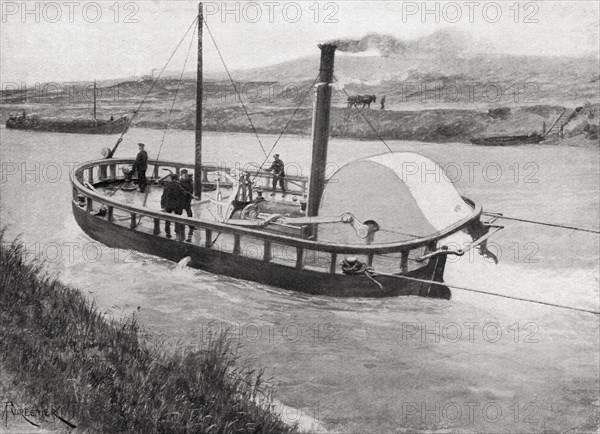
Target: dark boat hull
508,140
75,126
237,266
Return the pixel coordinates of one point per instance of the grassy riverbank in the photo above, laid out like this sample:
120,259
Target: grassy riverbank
100,375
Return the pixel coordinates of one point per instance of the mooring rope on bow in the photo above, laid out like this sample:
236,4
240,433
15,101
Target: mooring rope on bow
535,222
354,268
235,87
367,120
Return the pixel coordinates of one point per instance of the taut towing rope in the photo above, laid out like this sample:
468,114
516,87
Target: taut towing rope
354,267
535,222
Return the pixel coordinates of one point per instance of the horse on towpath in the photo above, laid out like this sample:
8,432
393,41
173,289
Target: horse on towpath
365,100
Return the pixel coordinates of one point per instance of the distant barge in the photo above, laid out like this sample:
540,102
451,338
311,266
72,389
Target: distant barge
58,125
61,125
508,140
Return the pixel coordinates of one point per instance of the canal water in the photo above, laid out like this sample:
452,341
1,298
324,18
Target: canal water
475,363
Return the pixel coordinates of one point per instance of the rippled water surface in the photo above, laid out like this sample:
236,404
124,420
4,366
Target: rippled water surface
473,364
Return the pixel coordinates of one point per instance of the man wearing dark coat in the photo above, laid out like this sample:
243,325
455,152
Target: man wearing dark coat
278,168
187,185
140,166
172,201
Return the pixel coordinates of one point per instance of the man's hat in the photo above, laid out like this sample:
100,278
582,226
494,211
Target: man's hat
276,155
184,171
141,144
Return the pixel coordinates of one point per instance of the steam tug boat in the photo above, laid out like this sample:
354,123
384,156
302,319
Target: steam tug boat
367,231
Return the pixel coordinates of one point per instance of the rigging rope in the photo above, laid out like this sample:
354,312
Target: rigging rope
495,294
162,141
366,119
369,272
169,115
535,222
235,88
152,86
286,126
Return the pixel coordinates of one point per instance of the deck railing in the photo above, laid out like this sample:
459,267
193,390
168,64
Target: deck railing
102,171
109,170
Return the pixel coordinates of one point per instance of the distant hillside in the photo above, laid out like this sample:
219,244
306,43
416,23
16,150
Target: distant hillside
446,68
437,88
481,67
442,70
470,80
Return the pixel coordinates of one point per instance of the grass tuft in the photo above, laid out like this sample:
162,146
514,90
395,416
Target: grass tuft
102,376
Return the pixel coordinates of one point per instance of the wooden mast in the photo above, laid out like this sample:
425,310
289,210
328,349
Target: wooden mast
320,130
198,152
94,99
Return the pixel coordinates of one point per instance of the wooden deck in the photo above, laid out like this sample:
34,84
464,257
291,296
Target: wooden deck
270,255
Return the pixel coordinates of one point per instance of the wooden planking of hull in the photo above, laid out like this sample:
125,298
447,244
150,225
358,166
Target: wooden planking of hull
119,227
269,273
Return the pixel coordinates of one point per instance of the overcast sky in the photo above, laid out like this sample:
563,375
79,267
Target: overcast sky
81,40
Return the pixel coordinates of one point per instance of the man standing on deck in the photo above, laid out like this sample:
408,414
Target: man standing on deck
172,202
187,185
140,166
278,168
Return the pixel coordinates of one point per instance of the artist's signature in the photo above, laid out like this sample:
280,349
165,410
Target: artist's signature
35,416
